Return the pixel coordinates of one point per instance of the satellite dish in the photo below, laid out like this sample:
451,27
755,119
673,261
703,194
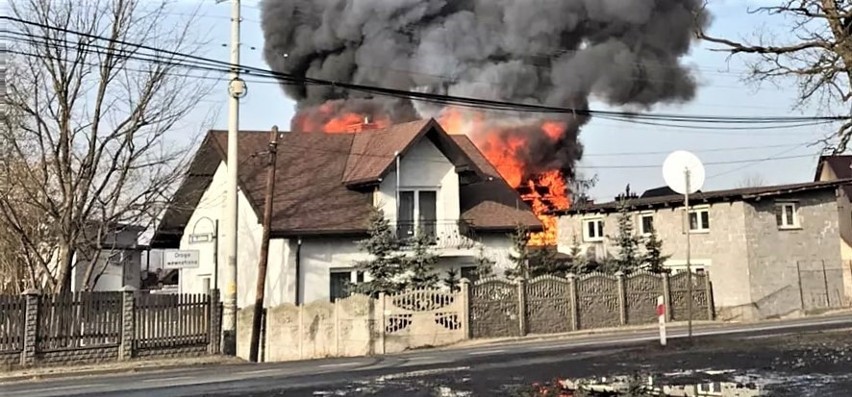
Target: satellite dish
675,168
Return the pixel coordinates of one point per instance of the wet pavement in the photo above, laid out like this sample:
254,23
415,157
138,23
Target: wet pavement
812,364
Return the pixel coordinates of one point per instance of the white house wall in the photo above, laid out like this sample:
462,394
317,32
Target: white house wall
423,167
280,279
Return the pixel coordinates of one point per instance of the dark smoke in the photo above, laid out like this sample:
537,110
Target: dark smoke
552,52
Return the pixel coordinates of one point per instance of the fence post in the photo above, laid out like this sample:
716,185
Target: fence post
573,302
825,280
667,296
711,305
28,352
801,289
522,306
381,322
128,323
215,325
464,294
622,298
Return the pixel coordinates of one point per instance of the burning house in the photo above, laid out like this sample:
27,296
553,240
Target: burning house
555,53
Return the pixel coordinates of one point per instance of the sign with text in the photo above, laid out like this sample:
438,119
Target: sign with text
180,259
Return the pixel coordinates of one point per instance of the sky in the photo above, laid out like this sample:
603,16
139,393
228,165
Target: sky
618,153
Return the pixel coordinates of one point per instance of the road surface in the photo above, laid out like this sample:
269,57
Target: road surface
481,367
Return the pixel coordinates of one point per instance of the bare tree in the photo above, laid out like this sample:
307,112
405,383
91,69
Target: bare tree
95,146
818,55
752,180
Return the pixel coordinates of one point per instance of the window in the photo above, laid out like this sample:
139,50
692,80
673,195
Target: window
339,282
699,220
418,210
646,223
786,216
593,229
469,272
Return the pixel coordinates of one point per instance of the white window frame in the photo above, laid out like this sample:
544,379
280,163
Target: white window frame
702,229
785,223
679,266
598,220
641,227
416,212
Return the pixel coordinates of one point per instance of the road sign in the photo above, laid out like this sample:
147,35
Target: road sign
180,259
201,238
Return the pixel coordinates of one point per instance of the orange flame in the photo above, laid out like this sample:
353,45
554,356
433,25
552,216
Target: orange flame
543,191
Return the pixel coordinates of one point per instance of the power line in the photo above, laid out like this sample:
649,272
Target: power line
445,99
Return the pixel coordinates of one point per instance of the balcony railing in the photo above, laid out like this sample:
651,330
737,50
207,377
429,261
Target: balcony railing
440,234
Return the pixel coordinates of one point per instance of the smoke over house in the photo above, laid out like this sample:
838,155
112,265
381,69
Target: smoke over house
551,52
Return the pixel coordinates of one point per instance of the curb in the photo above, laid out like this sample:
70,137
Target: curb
154,367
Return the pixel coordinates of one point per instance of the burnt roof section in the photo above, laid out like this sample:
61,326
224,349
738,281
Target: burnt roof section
319,184
742,194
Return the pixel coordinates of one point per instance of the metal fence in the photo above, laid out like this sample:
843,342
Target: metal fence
104,326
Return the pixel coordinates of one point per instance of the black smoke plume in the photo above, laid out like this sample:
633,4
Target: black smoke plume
552,52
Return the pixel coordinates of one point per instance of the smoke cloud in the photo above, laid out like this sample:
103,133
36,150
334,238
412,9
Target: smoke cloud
551,52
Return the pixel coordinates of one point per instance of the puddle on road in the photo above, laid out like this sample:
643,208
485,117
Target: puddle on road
669,385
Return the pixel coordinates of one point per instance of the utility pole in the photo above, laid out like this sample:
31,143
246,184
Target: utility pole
236,90
687,177
264,246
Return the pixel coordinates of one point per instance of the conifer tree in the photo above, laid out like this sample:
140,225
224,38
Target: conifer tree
386,265
520,254
420,265
653,257
484,265
452,280
628,258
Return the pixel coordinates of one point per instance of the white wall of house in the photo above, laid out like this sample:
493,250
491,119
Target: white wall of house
280,280
424,167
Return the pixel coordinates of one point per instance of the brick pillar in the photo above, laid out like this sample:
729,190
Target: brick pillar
573,302
30,328
622,298
215,326
128,323
522,306
667,296
464,294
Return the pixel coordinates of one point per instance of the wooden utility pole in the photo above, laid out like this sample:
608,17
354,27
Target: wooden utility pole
264,246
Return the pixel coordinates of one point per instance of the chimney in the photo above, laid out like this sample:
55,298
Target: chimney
365,124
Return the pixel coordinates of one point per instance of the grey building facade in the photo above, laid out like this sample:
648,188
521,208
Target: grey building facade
770,251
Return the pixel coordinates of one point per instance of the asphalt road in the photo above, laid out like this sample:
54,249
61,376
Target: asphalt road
480,366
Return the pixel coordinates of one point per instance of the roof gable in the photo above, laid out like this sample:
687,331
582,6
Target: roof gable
374,152
840,166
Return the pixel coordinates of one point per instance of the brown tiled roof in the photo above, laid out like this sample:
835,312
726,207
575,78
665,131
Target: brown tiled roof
321,178
841,165
712,196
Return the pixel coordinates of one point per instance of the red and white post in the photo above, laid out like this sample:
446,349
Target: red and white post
661,315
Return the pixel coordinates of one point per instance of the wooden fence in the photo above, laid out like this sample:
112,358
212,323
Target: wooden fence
105,326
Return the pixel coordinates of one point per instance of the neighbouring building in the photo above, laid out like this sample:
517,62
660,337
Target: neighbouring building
770,251
325,189
832,168
115,260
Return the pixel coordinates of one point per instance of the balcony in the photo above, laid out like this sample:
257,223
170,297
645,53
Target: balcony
453,234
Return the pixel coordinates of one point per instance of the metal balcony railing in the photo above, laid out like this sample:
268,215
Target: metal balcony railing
440,234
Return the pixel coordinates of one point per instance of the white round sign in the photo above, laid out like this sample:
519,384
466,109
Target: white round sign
675,170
